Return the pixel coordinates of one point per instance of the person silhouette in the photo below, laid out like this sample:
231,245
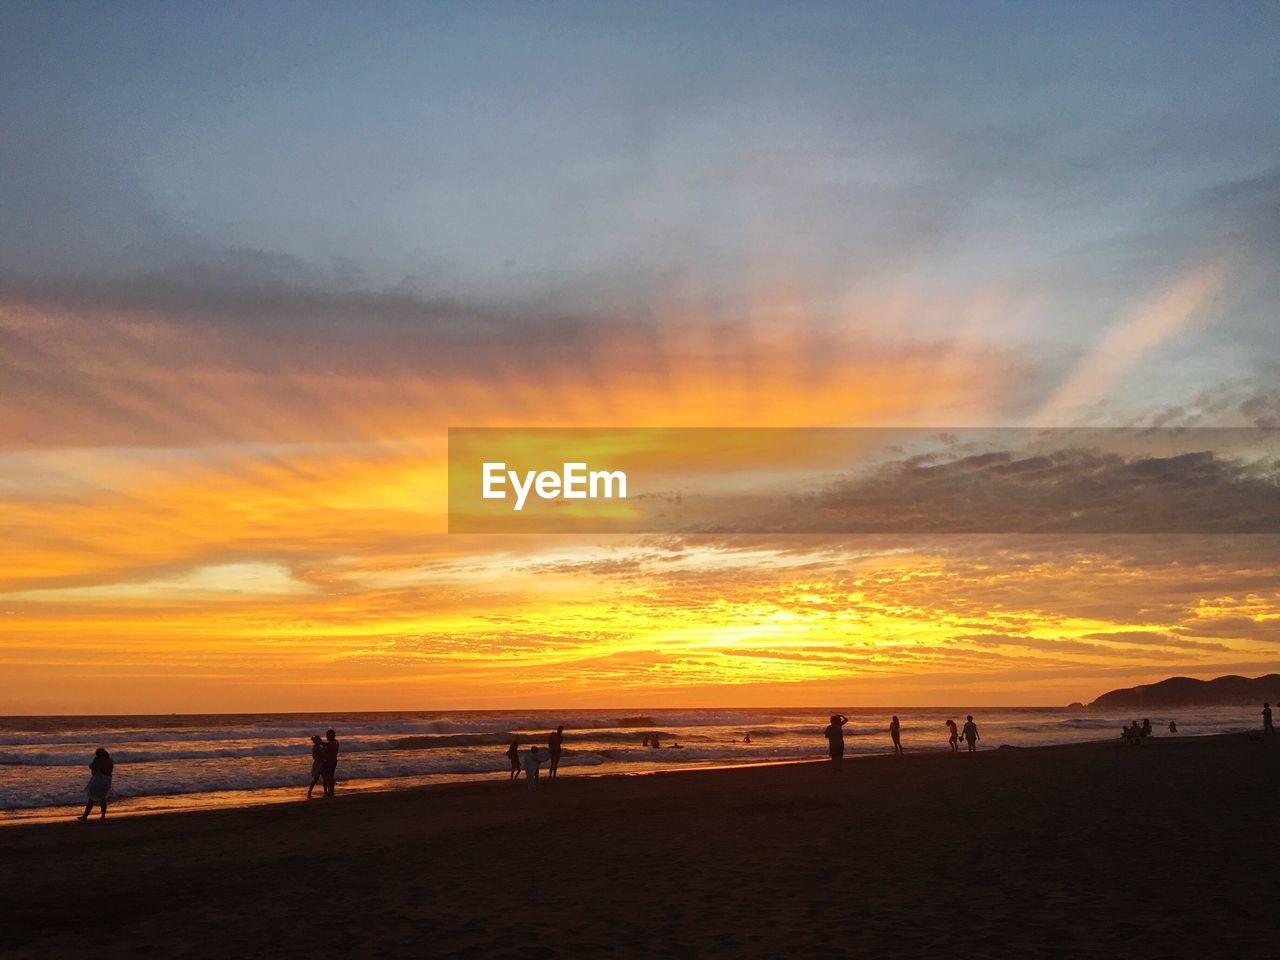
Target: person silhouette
329,769
513,754
532,761
317,763
835,740
895,733
554,743
100,769
954,738
1266,719
971,733
1173,726
747,738
1146,727
1133,734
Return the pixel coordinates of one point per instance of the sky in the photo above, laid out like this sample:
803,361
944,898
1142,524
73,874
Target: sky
255,260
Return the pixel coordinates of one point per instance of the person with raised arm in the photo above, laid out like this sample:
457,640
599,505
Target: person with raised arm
835,739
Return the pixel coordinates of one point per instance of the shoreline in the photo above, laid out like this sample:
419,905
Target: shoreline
284,796
167,805
274,798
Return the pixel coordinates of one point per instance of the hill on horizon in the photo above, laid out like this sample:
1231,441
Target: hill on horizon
1229,691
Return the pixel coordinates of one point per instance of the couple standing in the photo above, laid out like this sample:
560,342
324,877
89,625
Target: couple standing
324,762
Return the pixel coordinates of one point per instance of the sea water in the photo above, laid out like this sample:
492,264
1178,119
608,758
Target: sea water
181,762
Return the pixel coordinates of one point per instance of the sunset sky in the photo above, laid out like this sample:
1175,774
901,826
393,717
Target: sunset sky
256,259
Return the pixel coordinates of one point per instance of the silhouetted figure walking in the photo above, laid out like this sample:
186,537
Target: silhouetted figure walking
835,740
895,734
100,769
513,754
329,770
954,738
1266,719
971,733
532,761
1173,726
554,744
317,763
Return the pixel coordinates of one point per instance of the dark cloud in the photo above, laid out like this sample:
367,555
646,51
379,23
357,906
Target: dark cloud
1067,490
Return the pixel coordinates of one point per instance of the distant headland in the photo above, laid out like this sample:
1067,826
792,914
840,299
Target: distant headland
1228,691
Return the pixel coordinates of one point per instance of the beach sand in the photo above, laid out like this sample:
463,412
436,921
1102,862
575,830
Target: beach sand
1168,850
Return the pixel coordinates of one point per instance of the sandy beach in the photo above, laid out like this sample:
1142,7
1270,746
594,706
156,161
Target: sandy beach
1167,850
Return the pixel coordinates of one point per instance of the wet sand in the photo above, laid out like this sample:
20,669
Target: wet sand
1168,850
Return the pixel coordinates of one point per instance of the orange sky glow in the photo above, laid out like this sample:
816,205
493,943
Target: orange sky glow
199,519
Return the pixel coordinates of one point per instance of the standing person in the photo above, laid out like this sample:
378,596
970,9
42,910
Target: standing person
895,733
100,770
971,733
554,743
532,760
954,739
329,770
513,754
1266,719
835,739
1173,726
1146,727
317,763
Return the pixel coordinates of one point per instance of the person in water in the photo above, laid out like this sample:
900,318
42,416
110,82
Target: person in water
554,743
747,738
1266,719
100,770
317,763
954,739
532,761
971,733
835,739
513,754
895,734
329,769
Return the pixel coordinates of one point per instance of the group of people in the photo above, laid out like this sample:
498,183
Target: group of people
1135,733
530,762
324,753
835,736
324,762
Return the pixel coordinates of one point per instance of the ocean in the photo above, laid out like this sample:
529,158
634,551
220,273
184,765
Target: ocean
182,762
